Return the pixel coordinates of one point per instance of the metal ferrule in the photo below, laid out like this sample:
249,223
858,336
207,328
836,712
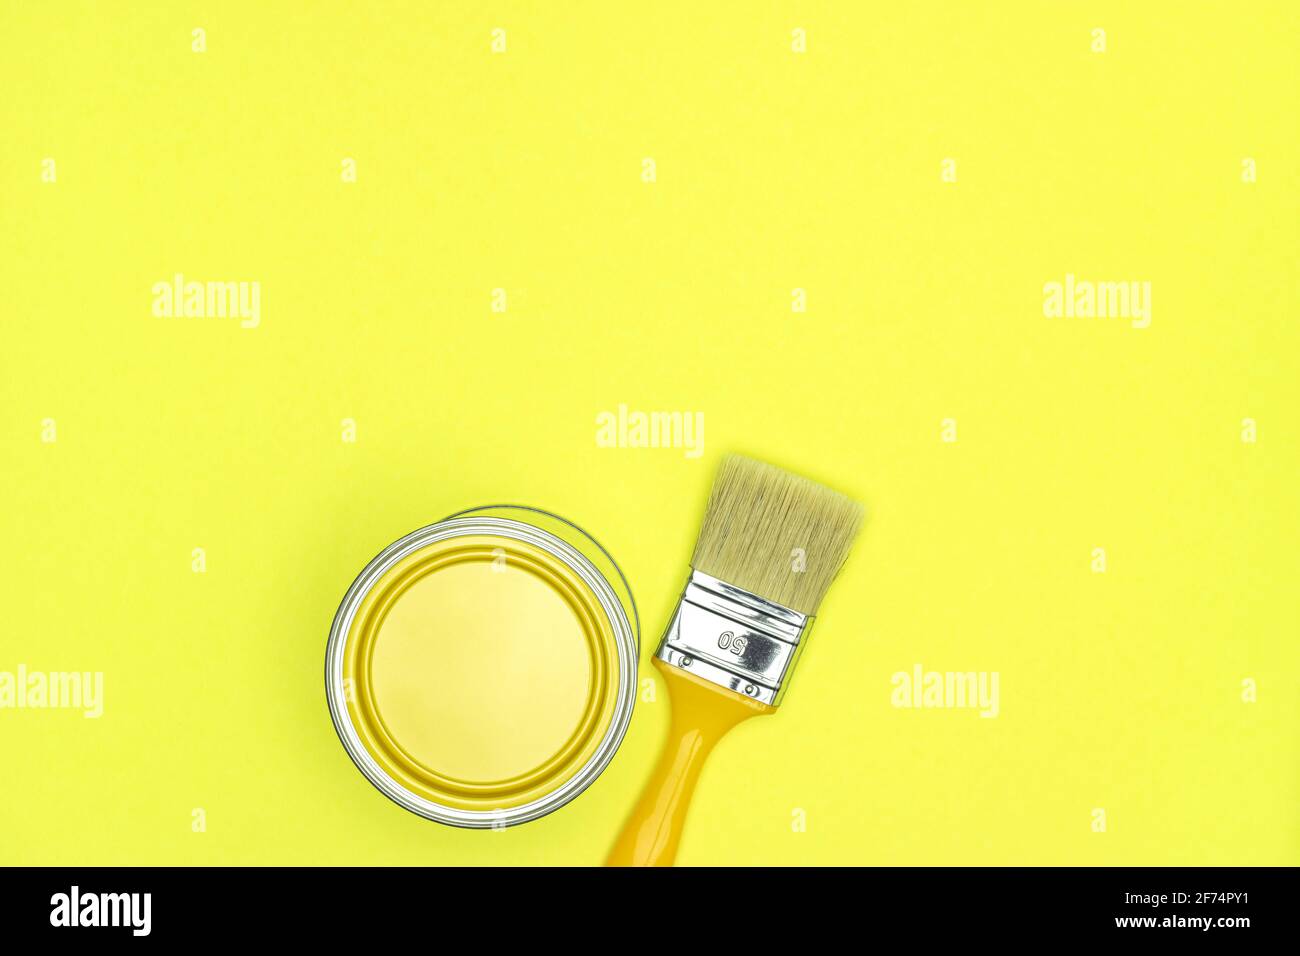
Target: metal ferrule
734,639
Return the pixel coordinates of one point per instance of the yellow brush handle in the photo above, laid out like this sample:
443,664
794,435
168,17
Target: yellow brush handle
702,714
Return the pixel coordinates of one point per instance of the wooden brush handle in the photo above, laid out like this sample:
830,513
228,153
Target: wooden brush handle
702,715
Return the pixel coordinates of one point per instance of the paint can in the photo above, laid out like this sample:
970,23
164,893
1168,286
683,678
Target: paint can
481,671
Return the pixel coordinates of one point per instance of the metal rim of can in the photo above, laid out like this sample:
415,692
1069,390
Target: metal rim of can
627,643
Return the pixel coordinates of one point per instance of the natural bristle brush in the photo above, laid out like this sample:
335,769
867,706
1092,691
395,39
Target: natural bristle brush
769,547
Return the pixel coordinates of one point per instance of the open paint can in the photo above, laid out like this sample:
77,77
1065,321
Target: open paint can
481,671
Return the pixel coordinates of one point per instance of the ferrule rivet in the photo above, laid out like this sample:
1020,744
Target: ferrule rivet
687,661
751,690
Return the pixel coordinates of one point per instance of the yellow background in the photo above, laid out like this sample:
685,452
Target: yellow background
775,171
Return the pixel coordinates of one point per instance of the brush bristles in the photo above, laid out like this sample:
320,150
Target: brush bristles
775,534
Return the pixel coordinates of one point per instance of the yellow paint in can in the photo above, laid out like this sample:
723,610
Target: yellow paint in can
486,675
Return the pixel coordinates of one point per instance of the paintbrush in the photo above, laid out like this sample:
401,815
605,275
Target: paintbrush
769,547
